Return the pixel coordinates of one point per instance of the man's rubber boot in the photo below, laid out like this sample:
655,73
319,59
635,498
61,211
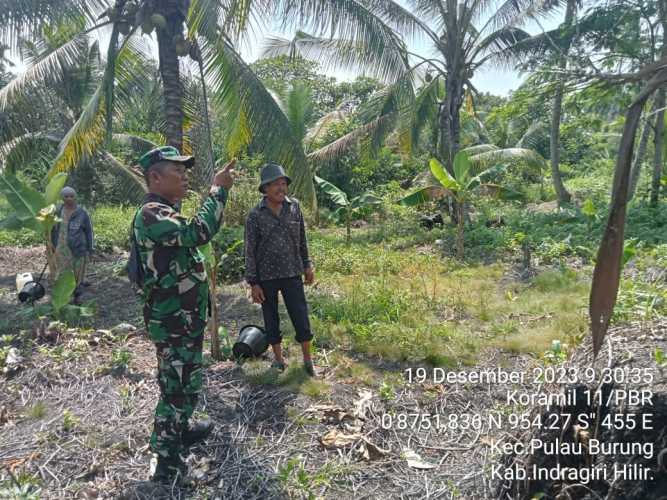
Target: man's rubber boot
196,433
279,366
169,470
309,368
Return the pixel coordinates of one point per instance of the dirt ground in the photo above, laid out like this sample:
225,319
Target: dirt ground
76,414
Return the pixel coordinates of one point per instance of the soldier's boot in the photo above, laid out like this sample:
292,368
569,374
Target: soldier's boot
196,433
169,470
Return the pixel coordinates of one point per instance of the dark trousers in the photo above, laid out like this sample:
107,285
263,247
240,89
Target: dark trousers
295,302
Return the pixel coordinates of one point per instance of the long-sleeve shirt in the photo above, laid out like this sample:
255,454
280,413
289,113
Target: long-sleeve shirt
79,232
275,245
168,242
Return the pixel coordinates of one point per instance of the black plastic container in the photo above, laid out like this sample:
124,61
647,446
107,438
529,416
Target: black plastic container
32,291
252,342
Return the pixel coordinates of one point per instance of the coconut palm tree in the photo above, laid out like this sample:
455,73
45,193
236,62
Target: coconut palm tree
207,31
296,103
50,97
464,36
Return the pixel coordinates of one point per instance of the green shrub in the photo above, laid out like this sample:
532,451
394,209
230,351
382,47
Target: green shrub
242,198
21,238
111,225
228,246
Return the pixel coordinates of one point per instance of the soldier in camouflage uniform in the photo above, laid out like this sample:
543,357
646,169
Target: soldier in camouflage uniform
175,294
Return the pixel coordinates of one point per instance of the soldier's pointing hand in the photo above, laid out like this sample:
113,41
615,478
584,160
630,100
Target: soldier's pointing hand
225,177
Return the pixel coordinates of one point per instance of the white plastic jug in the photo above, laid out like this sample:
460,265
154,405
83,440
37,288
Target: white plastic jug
22,279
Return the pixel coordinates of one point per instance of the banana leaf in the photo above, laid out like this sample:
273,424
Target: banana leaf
24,200
423,195
336,194
53,188
443,176
63,290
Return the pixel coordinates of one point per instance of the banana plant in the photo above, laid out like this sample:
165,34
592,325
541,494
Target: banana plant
348,208
33,210
461,186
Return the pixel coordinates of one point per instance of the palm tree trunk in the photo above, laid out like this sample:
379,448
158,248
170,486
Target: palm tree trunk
607,273
639,156
170,72
660,119
659,145
554,145
556,115
450,120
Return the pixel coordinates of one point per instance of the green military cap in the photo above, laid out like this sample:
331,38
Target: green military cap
270,172
165,153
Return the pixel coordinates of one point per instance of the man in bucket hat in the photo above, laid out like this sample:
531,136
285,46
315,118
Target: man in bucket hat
175,294
276,256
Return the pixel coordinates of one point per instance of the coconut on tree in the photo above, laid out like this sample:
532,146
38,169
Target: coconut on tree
198,32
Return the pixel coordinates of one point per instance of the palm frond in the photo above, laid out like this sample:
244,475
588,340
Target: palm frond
239,136
533,47
342,145
401,19
138,145
239,16
501,42
22,18
132,181
479,149
32,13
109,77
365,42
331,54
195,108
238,90
427,9
24,149
299,107
52,65
483,160
204,17
84,137
425,109
530,136
516,12
88,133
396,102
321,127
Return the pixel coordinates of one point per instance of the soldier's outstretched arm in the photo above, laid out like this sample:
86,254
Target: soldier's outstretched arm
164,226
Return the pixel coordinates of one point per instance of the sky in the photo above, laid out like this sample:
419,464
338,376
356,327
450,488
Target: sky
489,79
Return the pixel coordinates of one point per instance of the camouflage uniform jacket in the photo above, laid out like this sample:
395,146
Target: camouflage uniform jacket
168,243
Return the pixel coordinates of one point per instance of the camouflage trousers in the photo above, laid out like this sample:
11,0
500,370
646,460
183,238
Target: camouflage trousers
176,323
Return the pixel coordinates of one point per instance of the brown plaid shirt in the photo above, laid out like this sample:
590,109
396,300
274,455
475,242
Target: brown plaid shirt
275,246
